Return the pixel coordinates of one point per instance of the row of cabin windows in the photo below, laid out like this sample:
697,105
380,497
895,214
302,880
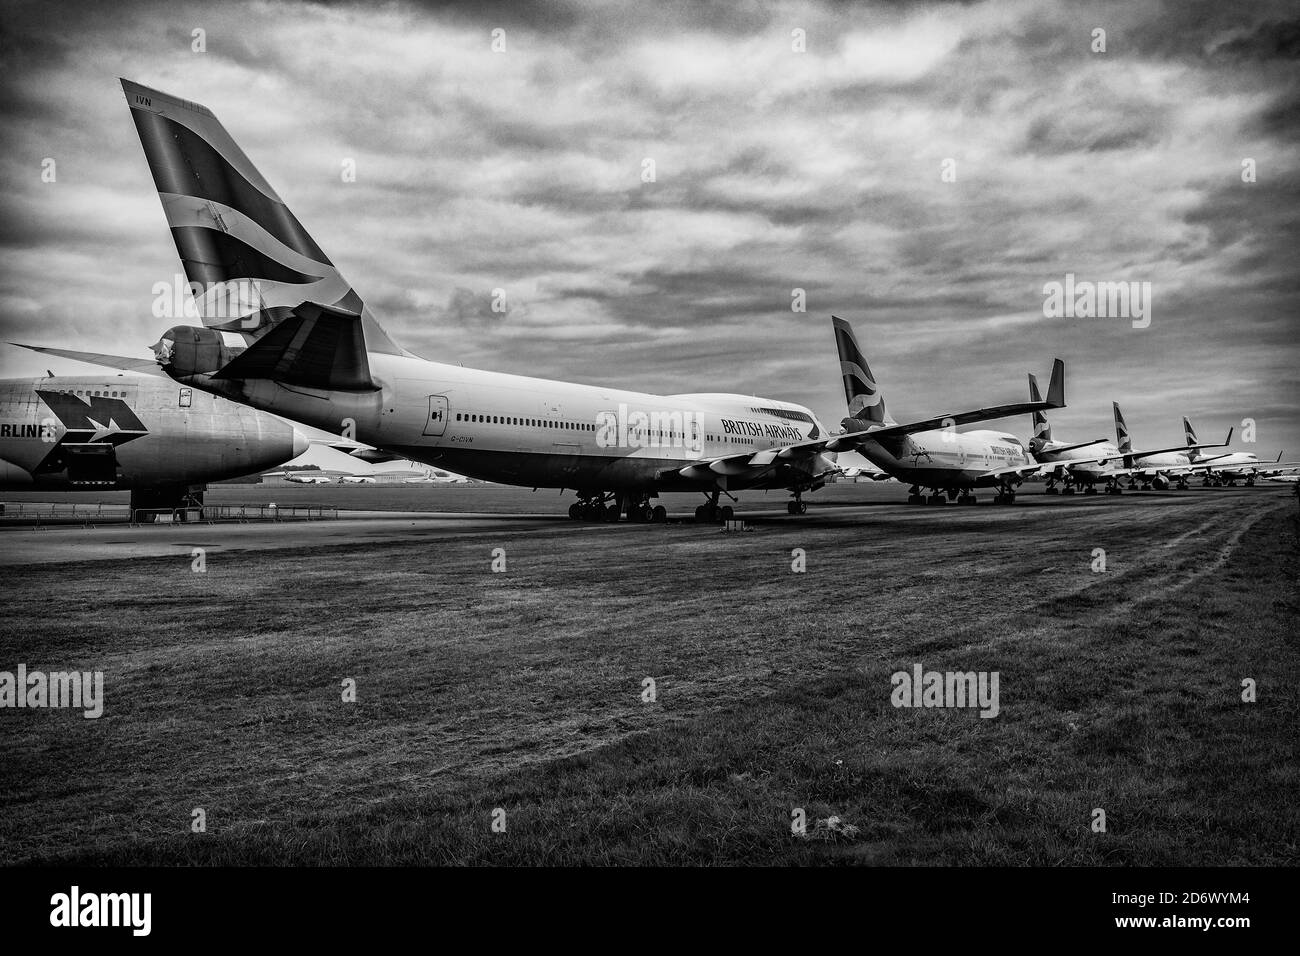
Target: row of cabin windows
543,423
97,393
526,422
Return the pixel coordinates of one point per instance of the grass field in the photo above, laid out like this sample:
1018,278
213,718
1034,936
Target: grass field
522,691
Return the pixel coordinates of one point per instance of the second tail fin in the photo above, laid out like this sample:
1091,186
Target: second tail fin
1121,432
1042,427
866,404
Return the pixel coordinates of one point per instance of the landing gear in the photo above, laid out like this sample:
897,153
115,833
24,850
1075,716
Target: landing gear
1006,495
607,506
1090,490
1250,482
914,496
1069,490
966,498
710,513
936,499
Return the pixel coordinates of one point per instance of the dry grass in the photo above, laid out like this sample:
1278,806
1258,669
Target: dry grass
522,691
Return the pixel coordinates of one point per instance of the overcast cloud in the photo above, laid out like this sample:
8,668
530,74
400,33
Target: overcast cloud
775,170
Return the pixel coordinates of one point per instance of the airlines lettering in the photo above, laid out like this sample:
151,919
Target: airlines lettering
25,430
761,430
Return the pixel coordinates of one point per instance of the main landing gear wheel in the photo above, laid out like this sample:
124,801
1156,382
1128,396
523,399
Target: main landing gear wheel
1051,490
796,507
1090,490
936,499
1069,490
726,513
575,511
966,498
659,514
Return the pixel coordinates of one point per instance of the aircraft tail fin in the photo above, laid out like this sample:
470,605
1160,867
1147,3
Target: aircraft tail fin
866,404
1042,427
1193,446
1122,440
247,258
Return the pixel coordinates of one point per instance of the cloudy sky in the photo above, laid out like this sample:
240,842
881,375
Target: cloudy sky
774,169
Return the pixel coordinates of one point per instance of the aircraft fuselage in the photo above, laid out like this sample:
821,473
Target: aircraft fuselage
519,430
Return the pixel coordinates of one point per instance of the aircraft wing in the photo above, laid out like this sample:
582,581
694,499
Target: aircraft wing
1254,466
1055,399
1023,471
752,464
1081,444
121,362
1160,451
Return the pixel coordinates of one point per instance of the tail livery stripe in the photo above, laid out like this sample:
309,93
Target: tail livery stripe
182,162
230,227
860,389
1042,427
1121,431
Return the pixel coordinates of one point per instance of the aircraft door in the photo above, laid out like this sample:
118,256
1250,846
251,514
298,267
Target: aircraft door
436,423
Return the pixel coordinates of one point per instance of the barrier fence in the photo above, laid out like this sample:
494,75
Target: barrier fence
90,513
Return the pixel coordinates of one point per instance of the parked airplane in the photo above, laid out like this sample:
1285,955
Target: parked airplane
931,453
1077,463
1156,469
314,353
300,477
357,480
1086,464
1231,468
436,477
160,440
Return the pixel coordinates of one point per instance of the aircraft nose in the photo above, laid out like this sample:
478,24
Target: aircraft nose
300,443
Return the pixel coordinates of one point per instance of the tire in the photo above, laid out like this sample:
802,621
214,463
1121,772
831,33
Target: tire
727,513
611,513
702,513
575,511
802,508
659,515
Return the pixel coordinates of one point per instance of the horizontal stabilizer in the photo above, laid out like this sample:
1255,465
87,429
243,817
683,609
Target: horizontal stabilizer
314,347
121,362
1055,399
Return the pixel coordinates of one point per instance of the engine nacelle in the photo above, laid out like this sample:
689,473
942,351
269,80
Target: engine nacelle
185,350
1160,483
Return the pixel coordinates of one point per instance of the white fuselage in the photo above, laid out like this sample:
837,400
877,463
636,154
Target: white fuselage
1089,471
947,459
519,430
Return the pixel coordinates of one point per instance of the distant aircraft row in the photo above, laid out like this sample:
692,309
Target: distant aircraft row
430,477
285,336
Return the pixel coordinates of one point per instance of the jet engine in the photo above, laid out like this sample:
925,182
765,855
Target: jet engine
1160,483
186,350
